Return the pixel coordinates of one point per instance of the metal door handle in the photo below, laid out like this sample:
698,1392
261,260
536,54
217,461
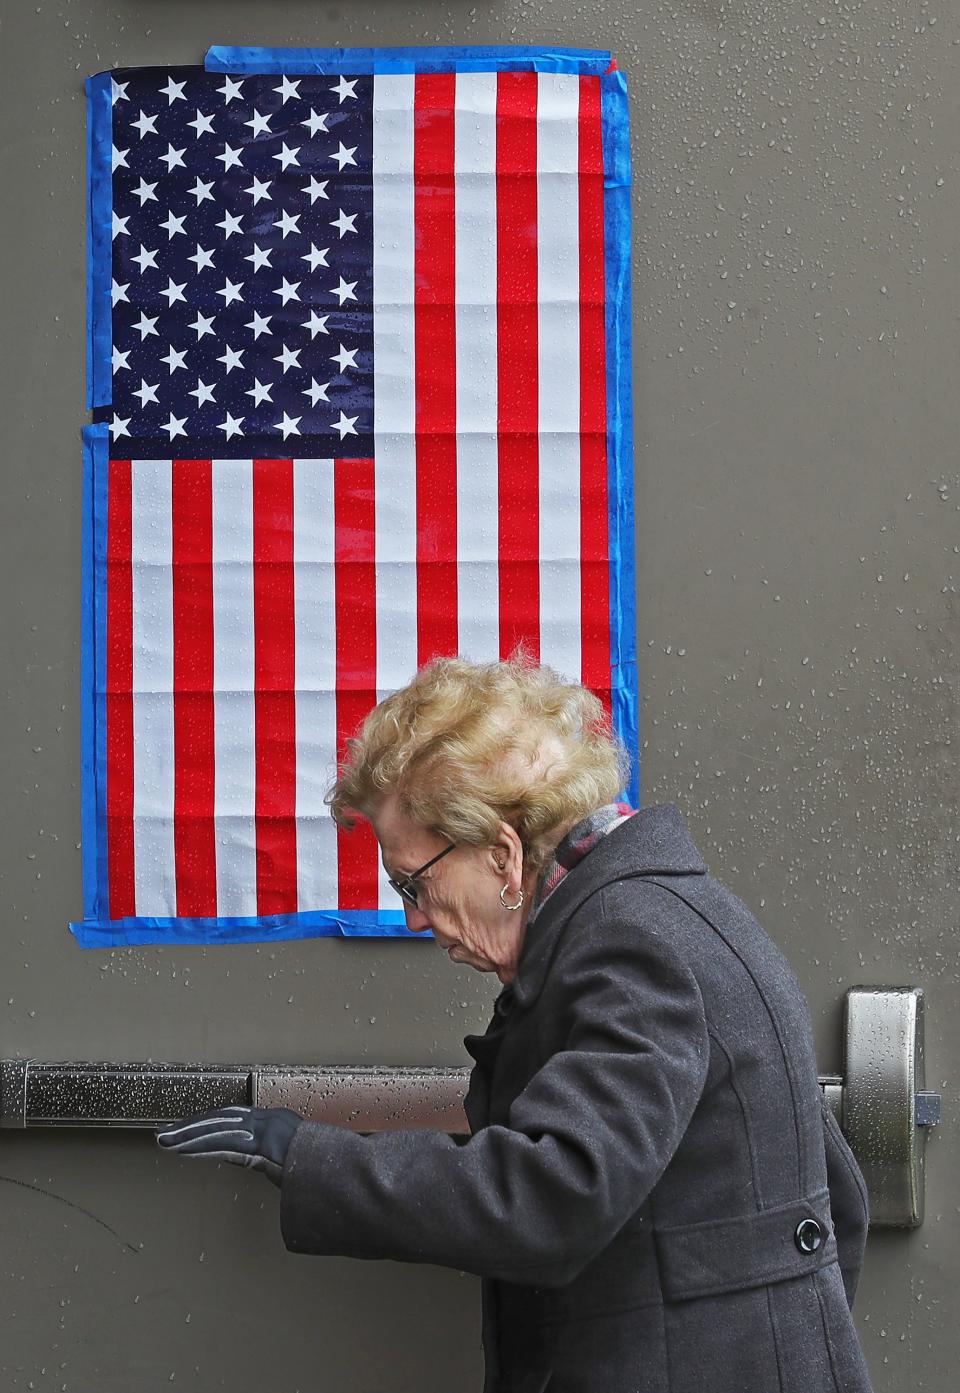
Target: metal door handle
36,1093
886,1111
879,1101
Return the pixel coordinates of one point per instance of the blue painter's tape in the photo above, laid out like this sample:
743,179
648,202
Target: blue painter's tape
99,238
268,928
461,59
623,617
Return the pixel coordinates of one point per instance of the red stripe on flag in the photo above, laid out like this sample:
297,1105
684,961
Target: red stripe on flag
517,375
435,364
355,589
274,686
194,836
594,563
119,691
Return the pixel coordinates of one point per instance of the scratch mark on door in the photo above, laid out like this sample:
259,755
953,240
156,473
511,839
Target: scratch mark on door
12,1180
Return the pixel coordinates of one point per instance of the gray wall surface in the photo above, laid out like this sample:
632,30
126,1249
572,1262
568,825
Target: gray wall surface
797,206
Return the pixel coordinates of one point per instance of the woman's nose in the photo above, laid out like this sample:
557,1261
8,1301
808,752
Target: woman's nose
417,921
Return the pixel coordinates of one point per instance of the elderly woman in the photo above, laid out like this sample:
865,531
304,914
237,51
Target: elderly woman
654,1192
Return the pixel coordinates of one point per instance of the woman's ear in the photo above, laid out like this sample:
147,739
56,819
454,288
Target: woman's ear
506,847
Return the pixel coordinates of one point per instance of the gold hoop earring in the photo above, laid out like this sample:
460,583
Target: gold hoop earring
511,906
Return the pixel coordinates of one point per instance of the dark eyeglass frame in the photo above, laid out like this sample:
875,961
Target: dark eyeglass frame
403,884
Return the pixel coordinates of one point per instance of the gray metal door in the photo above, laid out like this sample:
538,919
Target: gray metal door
795,341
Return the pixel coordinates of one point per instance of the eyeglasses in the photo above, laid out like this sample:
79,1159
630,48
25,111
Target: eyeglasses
405,887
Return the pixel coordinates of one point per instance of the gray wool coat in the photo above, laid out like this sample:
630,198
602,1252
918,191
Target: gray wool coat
647,1134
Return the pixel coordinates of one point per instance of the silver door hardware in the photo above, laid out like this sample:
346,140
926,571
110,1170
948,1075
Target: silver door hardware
885,1110
36,1093
879,1101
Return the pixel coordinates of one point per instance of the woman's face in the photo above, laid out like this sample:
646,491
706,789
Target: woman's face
459,896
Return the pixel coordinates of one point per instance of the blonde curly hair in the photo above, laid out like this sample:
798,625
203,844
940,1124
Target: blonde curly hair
466,746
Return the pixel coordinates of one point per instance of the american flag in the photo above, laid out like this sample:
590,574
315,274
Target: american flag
350,373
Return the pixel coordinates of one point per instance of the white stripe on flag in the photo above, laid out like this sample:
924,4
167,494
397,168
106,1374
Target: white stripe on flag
234,743
153,789
316,679
476,357
558,338
395,464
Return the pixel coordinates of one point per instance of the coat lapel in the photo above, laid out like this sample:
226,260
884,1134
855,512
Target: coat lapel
653,842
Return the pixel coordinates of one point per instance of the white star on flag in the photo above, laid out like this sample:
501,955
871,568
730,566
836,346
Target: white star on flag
260,391
259,256
345,222
345,88
260,324
316,392
201,124
230,89
288,290
175,426
287,89
346,358
230,157
232,358
289,425
231,426
145,392
176,358
344,291
345,425
203,324
260,124
230,224
174,225
173,158
259,189
288,222
317,188
145,124
344,156
231,292
287,156
316,123
201,258
203,392
145,258
289,358
174,93
173,291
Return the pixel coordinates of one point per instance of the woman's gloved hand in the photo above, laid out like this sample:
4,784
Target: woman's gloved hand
256,1137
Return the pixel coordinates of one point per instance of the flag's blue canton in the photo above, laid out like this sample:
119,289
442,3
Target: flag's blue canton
242,265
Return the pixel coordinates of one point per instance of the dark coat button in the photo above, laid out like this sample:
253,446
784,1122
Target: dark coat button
808,1235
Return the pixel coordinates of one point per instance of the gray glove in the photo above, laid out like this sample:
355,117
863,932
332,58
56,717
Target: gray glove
256,1137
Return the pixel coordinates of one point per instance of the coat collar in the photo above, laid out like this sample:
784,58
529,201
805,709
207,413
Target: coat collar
655,841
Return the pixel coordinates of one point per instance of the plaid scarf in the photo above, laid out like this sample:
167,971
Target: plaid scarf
575,845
